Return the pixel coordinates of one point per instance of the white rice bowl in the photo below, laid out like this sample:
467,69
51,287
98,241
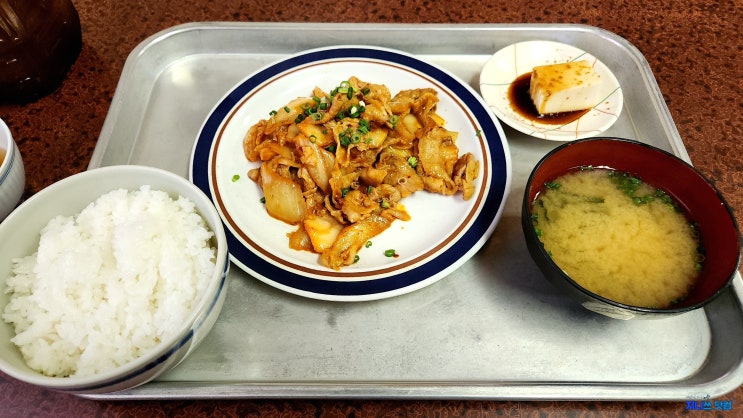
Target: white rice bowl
105,296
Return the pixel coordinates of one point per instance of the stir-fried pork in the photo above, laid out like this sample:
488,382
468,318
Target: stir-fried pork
338,164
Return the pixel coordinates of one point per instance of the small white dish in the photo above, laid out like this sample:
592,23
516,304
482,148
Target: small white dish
520,58
12,173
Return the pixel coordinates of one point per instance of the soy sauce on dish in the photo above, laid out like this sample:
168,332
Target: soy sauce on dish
518,96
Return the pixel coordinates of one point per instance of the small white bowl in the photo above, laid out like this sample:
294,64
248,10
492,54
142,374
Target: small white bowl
12,174
19,237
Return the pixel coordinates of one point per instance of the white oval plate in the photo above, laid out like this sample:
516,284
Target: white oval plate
520,58
444,231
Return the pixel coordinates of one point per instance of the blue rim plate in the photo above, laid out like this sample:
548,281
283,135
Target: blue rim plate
444,231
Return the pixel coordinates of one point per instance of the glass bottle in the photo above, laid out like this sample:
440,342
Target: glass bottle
39,41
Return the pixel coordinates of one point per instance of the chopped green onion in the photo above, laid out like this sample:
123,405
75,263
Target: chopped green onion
384,204
235,178
393,120
316,116
665,198
368,244
331,148
694,230
390,253
287,109
364,126
365,91
344,191
552,185
356,259
369,189
263,200
272,113
344,139
699,259
413,161
313,138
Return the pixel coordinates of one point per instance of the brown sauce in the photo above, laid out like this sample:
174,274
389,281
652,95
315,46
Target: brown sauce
520,99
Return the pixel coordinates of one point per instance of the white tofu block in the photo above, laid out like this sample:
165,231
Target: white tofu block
565,87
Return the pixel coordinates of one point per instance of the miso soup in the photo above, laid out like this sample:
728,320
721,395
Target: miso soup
618,237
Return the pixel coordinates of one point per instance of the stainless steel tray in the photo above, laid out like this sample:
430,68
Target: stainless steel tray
494,329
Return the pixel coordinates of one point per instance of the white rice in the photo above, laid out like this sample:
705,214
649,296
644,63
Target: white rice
110,283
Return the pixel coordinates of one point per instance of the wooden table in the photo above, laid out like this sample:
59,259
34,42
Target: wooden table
692,46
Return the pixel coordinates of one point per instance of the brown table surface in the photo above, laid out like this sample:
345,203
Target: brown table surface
693,47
